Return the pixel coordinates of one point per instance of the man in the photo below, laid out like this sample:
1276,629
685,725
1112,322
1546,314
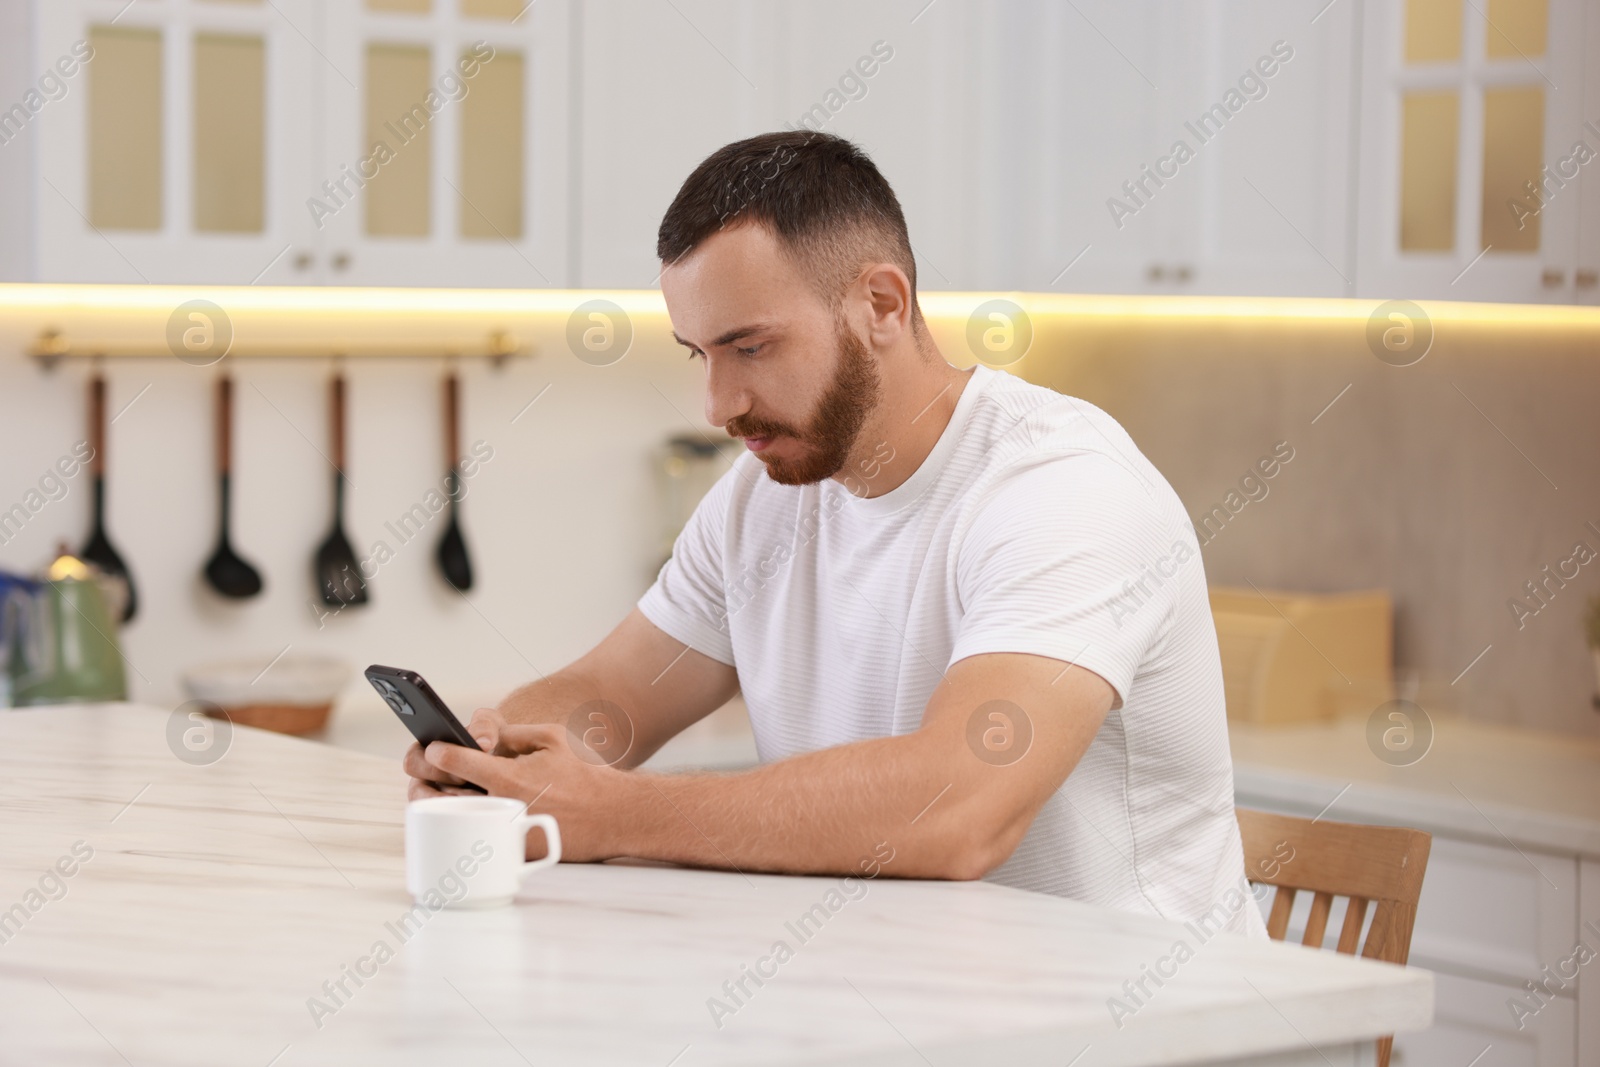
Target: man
968,617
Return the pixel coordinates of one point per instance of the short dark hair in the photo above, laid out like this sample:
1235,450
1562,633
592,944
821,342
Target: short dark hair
824,199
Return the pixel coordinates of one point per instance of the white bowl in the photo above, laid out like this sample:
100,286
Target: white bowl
292,680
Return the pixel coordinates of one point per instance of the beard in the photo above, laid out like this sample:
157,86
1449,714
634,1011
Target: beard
830,435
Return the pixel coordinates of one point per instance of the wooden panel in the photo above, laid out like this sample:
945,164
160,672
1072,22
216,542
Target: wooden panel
1433,31
1518,29
229,98
125,128
397,118
1513,155
492,125
1429,132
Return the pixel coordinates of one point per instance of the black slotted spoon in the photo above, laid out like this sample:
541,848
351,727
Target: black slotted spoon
337,571
225,571
98,550
454,562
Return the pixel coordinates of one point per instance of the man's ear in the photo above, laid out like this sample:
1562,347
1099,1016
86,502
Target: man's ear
888,295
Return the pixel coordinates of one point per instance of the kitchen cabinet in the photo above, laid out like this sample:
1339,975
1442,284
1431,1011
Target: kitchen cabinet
1094,161
177,145
237,142
1513,879
1470,188
459,110
1034,144
1586,278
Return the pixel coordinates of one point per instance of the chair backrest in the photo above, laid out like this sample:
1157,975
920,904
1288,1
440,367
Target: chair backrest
1381,865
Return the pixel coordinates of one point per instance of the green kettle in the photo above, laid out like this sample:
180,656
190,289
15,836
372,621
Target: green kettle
64,643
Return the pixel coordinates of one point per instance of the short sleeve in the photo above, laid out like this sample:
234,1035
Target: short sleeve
687,601
1074,559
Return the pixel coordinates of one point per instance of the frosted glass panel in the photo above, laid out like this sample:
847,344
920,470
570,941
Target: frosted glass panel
400,137
1433,31
1516,28
494,9
414,7
491,149
1513,155
229,134
1428,136
125,128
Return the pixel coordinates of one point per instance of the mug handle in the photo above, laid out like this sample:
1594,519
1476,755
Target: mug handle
552,837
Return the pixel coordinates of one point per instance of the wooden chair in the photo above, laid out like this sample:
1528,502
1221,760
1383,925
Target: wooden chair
1380,865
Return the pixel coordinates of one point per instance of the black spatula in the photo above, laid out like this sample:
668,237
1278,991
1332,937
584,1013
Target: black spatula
98,550
454,563
227,573
338,573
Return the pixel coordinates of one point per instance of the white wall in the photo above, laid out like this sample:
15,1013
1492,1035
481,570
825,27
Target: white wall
559,522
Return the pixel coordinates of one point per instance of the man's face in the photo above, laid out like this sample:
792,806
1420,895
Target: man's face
783,371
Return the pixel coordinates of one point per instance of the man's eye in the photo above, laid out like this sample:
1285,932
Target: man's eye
752,350
693,352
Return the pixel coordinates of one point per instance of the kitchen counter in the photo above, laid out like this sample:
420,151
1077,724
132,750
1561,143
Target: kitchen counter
1478,781
209,902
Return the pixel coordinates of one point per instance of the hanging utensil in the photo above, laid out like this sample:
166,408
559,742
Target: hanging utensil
454,563
227,573
98,550
338,573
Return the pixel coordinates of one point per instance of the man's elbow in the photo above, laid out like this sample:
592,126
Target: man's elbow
973,852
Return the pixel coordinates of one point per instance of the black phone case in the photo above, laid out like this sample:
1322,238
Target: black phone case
415,703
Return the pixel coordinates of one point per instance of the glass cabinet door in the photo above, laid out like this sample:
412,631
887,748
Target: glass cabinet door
171,154
1471,122
445,143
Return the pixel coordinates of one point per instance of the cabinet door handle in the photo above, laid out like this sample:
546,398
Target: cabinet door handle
1156,272
341,260
303,260
1586,278
1553,278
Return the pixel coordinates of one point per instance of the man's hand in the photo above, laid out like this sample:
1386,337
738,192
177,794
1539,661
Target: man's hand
428,780
536,765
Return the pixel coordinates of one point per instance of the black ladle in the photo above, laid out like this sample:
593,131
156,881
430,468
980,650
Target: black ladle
454,563
98,550
227,573
338,574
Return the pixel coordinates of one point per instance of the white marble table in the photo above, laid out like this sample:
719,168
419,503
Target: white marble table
219,898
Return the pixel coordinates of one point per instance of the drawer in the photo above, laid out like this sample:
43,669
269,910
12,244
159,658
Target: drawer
1494,912
1470,1017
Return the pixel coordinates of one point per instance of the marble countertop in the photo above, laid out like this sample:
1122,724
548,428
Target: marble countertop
1477,780
209,903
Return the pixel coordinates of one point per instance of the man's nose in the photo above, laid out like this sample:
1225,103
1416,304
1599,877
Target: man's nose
726,396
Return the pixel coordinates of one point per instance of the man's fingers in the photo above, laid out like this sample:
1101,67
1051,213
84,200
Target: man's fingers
485,728
417,766
421,790
461,763
522,739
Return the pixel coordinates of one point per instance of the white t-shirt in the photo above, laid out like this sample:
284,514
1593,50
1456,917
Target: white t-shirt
1036,526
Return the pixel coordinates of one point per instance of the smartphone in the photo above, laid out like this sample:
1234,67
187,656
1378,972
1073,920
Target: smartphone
416,704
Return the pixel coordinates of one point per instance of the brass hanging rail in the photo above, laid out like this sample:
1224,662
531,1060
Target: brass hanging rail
52,345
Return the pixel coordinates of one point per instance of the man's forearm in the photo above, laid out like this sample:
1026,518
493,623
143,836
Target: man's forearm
820,813
551,699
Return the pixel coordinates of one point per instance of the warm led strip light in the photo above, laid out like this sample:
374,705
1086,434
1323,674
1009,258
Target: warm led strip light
129,320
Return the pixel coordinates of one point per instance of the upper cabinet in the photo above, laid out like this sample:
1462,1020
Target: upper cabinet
1436,149
443,140
1475,150
374,142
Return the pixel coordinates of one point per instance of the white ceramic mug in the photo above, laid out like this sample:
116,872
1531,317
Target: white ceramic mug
467,852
